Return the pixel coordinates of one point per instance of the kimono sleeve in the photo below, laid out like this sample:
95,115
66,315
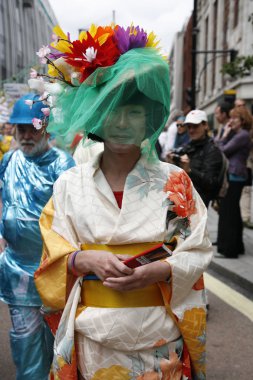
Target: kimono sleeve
186,299
51,278
194,249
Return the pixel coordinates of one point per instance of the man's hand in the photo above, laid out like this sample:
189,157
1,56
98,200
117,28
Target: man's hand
169,158
142,276
185,163
3,244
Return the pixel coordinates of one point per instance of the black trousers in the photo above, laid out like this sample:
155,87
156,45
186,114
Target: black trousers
230,226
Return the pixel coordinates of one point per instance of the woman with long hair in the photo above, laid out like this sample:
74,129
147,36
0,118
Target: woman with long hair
236,146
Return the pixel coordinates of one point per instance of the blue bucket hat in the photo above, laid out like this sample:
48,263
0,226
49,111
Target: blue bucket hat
23,113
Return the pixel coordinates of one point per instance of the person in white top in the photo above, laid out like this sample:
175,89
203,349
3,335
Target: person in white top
168,137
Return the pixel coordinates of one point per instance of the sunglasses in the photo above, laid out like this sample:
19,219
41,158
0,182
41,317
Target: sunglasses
193,126
180,125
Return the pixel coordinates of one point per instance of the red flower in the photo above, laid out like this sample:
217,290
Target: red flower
180,193
88,55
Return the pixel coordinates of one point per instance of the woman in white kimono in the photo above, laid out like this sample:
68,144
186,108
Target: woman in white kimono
118,322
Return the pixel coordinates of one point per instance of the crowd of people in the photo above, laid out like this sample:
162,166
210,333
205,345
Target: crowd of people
139,180
202,158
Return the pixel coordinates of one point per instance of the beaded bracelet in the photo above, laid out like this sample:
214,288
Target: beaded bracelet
72,264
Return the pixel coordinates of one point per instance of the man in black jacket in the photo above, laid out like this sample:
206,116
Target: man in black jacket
200,158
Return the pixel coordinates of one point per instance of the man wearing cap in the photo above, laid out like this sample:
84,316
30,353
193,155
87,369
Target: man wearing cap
200,158
27,176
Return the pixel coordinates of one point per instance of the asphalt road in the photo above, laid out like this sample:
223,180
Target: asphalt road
229,341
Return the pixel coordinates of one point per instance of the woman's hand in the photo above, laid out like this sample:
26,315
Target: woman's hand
226,131
103,263
142,276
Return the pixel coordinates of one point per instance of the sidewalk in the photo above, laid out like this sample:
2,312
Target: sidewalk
238,270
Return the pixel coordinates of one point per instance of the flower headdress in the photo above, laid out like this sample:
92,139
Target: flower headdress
79,70
71,62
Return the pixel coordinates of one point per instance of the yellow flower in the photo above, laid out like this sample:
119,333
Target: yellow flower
99,34
63,66
63,46
151,41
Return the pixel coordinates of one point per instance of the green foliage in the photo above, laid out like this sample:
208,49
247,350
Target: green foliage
240,67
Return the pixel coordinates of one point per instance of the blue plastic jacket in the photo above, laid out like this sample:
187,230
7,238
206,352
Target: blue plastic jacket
27,185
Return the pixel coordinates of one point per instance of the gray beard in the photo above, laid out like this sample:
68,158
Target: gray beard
37,149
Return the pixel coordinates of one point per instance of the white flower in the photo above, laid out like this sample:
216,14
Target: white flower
37,84
33,73
44,96
45,111
75,78
37,123
53,88
43,52
57,114
90,54
55,38
29,103
47,99
43,61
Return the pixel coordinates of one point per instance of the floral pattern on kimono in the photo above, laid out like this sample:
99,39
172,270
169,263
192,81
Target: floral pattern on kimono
167,205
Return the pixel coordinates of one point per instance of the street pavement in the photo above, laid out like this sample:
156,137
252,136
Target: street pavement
239,270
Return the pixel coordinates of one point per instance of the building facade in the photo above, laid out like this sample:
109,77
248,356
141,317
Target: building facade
25,25
221,25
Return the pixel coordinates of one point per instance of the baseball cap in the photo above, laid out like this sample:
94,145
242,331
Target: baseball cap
195,117
24,114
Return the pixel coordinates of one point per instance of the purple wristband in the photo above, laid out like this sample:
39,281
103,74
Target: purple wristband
72,264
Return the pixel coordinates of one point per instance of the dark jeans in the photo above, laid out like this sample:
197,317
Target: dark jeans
230,227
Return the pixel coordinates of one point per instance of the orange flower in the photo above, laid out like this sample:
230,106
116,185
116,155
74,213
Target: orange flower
150,375
67,371
199,285
180,193
172,368
160,343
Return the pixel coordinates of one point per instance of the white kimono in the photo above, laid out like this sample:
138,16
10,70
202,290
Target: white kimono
159,203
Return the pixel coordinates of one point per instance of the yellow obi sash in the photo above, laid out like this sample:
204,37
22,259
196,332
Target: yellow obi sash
95,294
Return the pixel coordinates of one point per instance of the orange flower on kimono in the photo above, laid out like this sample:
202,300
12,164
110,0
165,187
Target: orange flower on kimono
150,375
199,285
67,371
159,343
180,193
172,368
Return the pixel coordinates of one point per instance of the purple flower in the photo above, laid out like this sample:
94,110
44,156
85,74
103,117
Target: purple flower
130,38
55,54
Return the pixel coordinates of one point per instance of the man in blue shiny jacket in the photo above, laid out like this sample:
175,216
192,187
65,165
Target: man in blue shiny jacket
27,176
